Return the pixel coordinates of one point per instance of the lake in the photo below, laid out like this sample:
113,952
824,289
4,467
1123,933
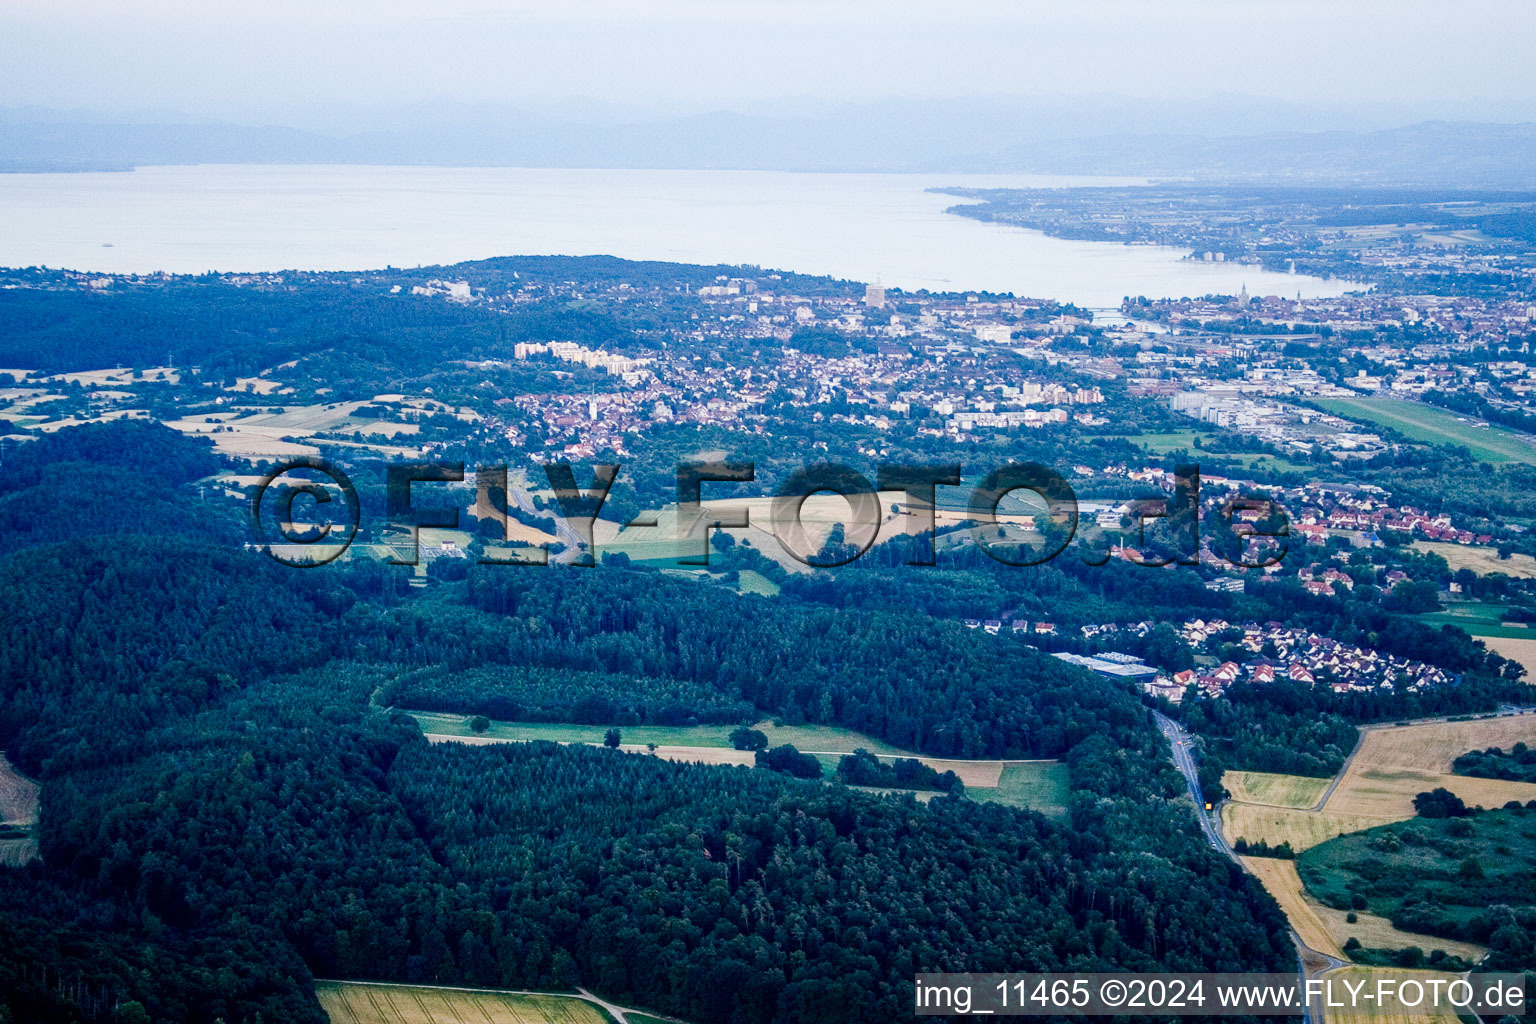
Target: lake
866,227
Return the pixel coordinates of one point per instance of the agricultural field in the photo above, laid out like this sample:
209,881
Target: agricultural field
1517,649
1391,1012
1395,763
1483,561
121,375
1326,929
1431,425
1275,825
258,386
355,1003
254,432
1274,790
1392,765
1387,792
1433,746
1481,619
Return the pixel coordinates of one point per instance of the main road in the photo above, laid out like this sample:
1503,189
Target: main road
1309,961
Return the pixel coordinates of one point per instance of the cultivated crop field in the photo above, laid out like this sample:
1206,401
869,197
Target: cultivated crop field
1482,561
352,1003
1275,825
1274,790
1391,1011
1395,763
1479,618
1387,792
1392,766
1284,884
1521,649
1433,746
818,515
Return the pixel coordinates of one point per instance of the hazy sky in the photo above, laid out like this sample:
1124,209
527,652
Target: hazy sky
222,58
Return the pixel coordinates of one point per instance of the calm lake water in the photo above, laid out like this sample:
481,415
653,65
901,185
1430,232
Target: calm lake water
862,226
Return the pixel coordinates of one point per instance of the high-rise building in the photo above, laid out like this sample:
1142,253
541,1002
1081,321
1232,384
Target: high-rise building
874,296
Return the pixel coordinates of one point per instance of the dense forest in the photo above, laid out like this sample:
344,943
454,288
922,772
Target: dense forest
229,808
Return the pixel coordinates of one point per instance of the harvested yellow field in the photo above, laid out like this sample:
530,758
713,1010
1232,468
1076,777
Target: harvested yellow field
977,774
355,1003
1395,763
1274,790
1483,561
1387,793
1284,884
244,442
1432,746
1520,650
1389,1011
1327,930
1275,825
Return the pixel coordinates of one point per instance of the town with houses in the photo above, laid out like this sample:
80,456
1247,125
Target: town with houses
758,355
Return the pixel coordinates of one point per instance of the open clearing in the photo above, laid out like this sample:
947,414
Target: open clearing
1425,423
1037,785
1483,561
1389,1011
805,737
347,1003
1327,930
1274,790
1040,786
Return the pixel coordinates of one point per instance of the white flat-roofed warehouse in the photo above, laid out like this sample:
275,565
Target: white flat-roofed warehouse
1114,665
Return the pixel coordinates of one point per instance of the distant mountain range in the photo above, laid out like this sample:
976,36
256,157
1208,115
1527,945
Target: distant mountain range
1144,140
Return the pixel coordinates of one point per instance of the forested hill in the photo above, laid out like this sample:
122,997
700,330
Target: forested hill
228,810
224,327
